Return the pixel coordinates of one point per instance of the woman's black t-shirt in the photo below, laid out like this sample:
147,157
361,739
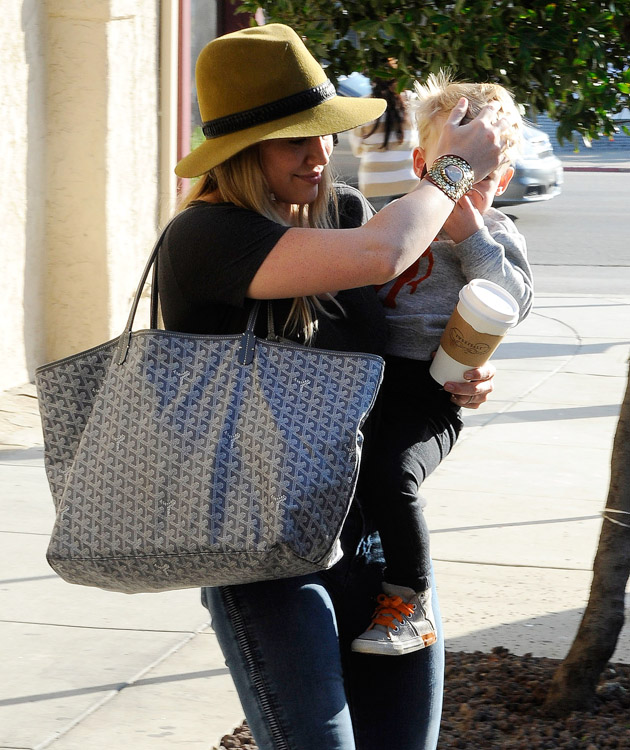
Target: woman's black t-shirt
212,252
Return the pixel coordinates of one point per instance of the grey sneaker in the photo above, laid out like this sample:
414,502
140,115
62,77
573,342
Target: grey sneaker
402,622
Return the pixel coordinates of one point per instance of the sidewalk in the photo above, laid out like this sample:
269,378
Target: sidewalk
515,520
515,510
590,160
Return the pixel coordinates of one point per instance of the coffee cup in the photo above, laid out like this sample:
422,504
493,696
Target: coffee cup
483,315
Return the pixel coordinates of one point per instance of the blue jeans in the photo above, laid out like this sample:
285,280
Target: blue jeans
287,645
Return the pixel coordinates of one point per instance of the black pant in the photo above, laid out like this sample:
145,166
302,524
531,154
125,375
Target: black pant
417,428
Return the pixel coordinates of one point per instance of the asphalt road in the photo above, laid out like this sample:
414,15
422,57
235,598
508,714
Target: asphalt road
578,242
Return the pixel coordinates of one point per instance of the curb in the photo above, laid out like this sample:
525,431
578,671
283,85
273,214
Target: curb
596,169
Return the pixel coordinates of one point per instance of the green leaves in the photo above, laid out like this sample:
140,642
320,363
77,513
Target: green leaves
569,58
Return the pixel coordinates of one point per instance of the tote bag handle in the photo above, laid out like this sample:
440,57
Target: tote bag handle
248,339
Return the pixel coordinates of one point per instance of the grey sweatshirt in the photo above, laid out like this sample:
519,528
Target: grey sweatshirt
419,302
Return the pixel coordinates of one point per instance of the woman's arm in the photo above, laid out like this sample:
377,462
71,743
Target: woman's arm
315,261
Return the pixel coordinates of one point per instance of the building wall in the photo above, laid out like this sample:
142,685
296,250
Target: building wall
80,171
22,149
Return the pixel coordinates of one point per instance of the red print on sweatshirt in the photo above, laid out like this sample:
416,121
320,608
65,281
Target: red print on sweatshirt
406,278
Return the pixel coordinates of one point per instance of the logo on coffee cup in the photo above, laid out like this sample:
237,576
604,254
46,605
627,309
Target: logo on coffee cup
459,340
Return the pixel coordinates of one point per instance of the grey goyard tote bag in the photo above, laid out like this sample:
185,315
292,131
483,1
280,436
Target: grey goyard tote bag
178,460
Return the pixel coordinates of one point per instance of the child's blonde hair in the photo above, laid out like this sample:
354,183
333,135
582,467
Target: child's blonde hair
441,93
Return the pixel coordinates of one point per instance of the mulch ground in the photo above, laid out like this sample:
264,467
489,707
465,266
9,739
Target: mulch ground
495,702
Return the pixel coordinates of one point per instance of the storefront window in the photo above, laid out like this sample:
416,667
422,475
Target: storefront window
203,28
207,20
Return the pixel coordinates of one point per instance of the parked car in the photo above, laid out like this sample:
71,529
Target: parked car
538,174
356,84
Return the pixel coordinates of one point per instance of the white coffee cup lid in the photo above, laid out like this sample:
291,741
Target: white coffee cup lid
490,301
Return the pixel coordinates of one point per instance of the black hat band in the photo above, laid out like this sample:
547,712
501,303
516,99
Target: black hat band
288,105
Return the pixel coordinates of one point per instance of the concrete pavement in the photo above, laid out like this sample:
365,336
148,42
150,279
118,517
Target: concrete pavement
514,513
515,518
597,158
84,668
515,509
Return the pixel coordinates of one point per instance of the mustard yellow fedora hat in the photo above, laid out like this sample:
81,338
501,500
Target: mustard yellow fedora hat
262,83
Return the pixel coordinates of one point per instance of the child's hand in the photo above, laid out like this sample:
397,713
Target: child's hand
475,391
464,220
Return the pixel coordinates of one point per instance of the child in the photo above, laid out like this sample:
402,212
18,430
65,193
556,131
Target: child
420,424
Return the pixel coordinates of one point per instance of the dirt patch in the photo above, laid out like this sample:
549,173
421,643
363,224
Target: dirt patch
495,702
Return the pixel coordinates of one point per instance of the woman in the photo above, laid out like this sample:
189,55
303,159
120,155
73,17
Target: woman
385,147
264,222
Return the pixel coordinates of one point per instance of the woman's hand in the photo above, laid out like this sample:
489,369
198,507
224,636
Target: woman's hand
481,142
475,391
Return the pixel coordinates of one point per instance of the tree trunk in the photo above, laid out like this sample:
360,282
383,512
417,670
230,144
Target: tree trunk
573,685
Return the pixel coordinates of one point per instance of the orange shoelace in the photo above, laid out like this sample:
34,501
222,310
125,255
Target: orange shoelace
391,610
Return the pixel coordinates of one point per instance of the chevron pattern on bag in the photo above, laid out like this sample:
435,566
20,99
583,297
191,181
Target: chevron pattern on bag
182,467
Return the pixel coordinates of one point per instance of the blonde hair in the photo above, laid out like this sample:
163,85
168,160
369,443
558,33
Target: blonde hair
440,93
240,180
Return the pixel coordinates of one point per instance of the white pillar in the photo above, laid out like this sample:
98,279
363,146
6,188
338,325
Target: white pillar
102,164
22,176
81,170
